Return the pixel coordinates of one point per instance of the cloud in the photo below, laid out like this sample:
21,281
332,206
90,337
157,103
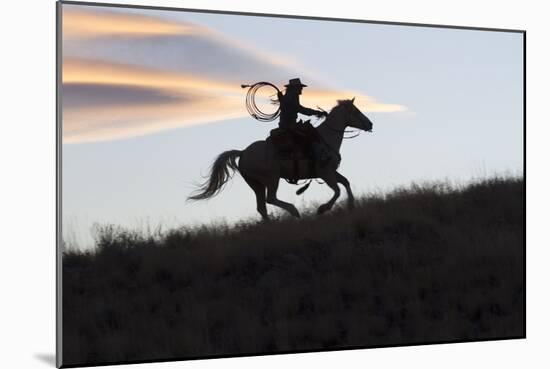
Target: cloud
103,101
327,98
89,23
127,74
90,95
76,70
124,121
167,45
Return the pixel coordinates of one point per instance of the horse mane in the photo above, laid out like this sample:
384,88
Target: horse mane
340,103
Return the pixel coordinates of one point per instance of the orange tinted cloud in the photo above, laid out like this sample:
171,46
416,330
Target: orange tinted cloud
88,23
144,95
194,100
327,99
77,70
124,121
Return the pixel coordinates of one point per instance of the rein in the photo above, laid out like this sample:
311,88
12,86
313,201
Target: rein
343,131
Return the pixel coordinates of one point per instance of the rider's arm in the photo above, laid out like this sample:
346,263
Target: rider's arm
308,111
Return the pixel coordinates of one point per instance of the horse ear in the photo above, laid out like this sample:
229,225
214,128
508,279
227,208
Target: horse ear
352,100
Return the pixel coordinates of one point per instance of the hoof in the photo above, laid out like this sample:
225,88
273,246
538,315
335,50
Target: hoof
322,209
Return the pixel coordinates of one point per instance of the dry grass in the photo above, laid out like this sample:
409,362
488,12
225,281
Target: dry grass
424,264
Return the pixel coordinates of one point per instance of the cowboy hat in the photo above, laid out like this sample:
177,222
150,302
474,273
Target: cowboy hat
294,82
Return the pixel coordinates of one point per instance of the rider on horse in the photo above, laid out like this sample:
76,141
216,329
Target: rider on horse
304,135
290,104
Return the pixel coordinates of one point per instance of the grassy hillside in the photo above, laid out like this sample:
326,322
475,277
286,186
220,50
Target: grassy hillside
423,264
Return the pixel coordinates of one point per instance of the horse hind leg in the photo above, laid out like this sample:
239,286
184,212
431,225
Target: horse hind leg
259,191
273,200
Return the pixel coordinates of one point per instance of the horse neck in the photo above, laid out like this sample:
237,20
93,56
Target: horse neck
332,130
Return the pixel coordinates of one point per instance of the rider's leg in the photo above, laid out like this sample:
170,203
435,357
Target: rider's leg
319,153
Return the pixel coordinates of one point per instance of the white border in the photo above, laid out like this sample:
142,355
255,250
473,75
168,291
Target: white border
28,185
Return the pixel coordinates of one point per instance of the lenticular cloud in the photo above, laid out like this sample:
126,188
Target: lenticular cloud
128,74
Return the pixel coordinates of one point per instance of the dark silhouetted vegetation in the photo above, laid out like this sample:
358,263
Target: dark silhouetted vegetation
425,264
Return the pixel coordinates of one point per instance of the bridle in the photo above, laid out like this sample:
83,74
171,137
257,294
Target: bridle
355,133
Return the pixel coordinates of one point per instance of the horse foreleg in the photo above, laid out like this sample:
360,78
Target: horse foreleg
344,181
273,200
332,183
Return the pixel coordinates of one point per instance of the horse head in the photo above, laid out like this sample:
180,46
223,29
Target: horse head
353,116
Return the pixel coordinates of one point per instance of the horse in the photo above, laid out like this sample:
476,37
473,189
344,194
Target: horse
260,165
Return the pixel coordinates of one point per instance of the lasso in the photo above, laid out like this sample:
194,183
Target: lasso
251,106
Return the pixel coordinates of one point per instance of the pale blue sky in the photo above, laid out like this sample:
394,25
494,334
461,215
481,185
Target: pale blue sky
462,89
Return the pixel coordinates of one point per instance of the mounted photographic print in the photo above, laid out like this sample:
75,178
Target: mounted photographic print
245,184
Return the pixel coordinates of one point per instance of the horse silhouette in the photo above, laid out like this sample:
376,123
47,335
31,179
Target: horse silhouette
261,167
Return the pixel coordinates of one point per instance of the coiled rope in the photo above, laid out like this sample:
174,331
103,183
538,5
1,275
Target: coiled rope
253,108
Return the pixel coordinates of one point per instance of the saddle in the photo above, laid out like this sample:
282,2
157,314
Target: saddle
293,151
286,144
294,142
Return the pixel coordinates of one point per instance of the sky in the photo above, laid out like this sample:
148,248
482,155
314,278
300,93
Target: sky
150,98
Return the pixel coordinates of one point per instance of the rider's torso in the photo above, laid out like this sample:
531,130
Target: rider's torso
289,110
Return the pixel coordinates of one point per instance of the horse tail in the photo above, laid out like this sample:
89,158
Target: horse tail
220,173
